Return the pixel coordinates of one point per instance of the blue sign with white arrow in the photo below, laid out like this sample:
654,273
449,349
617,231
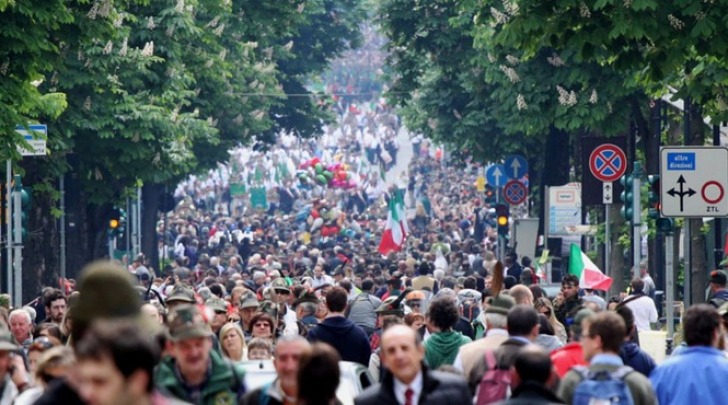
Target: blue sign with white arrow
516,167
496,175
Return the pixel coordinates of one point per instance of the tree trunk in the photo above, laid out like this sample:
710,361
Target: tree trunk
699,261
151,197
555,171
652,166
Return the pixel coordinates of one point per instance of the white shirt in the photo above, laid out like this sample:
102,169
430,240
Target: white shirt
416,386
644,311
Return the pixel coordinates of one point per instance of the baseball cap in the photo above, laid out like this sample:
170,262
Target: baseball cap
718,277
187,322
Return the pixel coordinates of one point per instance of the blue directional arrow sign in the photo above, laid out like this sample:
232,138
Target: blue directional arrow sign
516,166
496,175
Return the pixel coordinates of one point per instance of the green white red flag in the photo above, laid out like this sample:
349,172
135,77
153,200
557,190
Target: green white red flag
588,273
396,229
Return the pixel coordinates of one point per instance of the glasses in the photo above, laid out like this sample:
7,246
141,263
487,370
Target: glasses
220,312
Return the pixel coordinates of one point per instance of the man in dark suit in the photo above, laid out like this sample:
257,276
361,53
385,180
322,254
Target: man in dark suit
512,267
409,382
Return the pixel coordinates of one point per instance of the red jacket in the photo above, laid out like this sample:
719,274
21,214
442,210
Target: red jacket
567,357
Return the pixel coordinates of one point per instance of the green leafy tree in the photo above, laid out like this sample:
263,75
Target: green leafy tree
25,56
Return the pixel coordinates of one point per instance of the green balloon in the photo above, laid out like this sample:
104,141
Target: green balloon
328,175
319,168
321,179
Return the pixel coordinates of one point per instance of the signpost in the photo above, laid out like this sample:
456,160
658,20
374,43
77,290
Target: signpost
564,208
514,192
693,181
35,136
607,163
496,177
516,167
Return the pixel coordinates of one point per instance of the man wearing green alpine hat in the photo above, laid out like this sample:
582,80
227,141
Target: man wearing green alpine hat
195,373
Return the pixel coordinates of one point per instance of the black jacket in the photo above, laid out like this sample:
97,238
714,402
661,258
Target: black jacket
438,388
348,338
531,393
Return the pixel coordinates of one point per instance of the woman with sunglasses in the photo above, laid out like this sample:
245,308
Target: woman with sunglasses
544,306
263,325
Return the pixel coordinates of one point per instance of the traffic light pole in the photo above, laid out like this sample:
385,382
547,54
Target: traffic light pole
18,245
9,224
636,220
669,293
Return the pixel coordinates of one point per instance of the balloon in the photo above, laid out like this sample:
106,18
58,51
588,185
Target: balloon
341,175
328,175
315,213
321,179
317,224
319,168
314,161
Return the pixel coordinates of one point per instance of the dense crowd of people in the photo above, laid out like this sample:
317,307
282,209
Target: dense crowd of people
301,284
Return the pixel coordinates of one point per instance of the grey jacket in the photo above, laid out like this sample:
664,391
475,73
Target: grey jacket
361,310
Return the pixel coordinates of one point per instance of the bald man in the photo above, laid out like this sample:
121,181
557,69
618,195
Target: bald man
521,294
409,381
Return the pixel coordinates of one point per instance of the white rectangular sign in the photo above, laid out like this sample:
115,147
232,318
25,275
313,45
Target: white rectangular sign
607,192
564,208
693,181
32,137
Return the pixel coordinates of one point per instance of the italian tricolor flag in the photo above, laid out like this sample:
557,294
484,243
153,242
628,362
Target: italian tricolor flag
396,230
588,273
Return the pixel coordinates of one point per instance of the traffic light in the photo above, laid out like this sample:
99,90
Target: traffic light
627,197
489,194
653,196
501,218
117,222
25,203
665,225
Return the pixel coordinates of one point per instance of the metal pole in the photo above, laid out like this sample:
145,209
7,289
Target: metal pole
687,260
546,227
607,240
18,247
637,220
62,219
669,293
111,247
128,231
139,221
9,219
717,228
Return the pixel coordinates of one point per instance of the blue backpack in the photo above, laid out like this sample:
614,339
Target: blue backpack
602,387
